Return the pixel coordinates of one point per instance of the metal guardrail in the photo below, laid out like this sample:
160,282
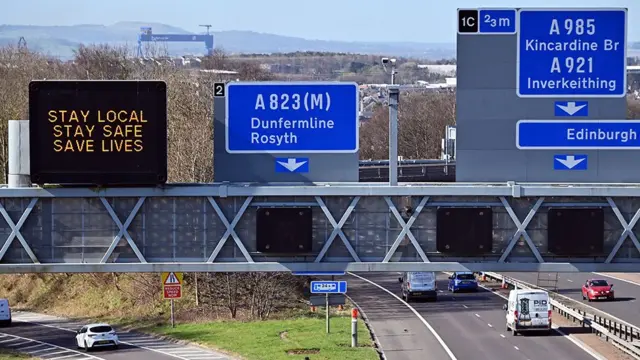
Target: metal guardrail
623,336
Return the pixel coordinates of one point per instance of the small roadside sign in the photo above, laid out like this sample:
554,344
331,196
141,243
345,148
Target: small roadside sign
328,287
172,285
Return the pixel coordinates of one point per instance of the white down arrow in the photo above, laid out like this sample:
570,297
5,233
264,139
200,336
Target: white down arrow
291,164
570,162
571,107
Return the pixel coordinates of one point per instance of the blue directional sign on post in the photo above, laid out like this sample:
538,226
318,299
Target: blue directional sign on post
572,53
578,134
328,287
292,117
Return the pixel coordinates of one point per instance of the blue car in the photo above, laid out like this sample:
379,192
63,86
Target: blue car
463,281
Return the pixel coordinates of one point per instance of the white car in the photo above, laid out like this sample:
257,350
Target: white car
97,335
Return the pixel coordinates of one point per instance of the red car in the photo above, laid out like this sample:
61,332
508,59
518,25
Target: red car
597,289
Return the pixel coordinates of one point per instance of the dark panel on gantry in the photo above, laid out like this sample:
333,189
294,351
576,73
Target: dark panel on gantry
464,231
576,232
284,230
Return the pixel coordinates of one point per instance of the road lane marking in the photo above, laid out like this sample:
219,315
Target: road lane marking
31,319
415,312
617,278
515,347
502,336
490,325
578,302
577,343
48,347
477,315
465,306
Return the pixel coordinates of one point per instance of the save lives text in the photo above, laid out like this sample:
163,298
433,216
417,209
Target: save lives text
107,131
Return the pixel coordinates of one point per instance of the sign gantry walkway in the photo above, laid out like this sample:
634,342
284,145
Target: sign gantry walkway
353,227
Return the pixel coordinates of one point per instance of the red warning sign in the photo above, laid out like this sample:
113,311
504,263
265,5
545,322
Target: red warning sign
172,291
172,285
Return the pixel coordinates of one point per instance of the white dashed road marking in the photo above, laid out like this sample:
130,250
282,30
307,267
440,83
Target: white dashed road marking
41,349
147,342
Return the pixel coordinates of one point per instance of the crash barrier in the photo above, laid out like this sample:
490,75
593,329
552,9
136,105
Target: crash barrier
623,336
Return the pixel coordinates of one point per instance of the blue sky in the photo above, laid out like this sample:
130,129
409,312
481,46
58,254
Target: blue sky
347,20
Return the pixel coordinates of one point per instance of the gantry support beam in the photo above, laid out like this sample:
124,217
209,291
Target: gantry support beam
356,201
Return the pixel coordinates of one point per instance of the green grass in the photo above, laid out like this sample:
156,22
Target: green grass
10,355
273,339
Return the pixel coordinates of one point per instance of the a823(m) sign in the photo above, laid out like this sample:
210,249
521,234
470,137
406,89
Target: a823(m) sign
572,53
98,132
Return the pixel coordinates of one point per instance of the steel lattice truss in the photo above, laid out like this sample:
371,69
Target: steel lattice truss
427,195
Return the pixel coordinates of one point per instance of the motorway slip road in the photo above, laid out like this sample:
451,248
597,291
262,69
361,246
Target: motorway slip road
56,339
462,326
624,307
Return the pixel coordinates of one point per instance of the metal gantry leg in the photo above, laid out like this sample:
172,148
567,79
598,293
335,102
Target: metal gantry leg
15,231
123,230
406,229
230,229
522,229
627,232
337,228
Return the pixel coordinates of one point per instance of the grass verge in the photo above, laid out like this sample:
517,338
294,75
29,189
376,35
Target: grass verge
12,355
278,339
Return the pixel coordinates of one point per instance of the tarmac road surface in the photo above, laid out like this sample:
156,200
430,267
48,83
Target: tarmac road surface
53,338
625,306
462,326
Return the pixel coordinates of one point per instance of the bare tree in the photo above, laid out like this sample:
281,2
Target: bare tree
422,118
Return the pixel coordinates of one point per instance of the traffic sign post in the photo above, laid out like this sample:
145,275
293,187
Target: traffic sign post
572,53
327,288
172,289
292,117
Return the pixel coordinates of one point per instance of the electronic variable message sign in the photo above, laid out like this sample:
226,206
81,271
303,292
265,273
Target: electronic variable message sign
98,132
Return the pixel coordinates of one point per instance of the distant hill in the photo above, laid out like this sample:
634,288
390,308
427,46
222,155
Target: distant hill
60,41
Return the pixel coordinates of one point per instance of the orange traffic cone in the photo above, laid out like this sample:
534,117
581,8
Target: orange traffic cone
504,283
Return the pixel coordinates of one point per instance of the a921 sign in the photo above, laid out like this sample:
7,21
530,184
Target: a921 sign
98,132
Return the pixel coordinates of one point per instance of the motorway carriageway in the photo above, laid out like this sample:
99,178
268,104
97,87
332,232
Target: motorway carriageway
625,306
460,326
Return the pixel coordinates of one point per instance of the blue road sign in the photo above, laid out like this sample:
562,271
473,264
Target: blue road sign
292,165
578,134
572,53
328,287
319,273
292,117
570,162
571,108
497,21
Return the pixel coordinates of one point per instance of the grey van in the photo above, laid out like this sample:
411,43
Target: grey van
419,284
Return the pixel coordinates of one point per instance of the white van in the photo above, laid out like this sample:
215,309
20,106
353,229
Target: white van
420,284
5,312
528,310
